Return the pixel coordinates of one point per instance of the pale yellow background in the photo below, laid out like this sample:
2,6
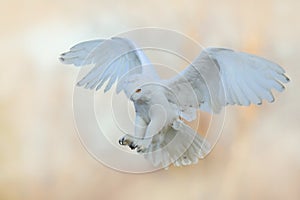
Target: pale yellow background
41,157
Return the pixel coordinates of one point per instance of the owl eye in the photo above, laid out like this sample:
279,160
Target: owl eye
138,90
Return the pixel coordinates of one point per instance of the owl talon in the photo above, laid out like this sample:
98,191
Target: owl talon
121,141
140,149
124,141
132,146
128,141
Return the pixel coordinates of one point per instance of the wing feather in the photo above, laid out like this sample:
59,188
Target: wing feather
111,59
229,77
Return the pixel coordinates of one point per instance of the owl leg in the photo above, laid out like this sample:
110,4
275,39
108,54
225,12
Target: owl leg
140,127
154,127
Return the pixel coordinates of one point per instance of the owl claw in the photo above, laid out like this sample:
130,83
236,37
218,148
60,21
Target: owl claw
125,141
122,141
140,149
132,146
129,141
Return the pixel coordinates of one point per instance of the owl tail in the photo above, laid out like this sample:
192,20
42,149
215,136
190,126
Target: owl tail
178,144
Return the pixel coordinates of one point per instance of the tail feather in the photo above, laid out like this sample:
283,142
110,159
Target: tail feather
179,145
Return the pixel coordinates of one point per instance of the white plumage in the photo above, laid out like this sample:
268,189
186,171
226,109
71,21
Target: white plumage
216,78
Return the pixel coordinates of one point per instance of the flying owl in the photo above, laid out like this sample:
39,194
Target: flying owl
216,78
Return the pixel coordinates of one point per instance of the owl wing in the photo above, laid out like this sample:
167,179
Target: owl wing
218,77
113,60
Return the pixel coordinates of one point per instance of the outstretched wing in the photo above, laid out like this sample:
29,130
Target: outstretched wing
113,59
218,77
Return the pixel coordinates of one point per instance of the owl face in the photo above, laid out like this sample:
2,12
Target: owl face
141,94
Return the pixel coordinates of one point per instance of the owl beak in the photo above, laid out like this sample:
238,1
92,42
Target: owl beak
133,97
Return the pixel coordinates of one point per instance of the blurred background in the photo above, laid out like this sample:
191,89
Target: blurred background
41,157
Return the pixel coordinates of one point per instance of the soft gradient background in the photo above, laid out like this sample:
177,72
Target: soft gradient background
41,157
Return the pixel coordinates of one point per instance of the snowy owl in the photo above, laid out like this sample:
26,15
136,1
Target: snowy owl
216,78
